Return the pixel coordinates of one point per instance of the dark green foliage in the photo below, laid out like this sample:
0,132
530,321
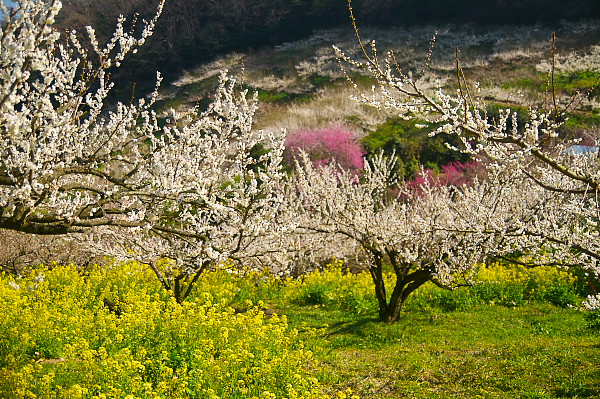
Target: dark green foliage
281,97
319,81
201,91
450,301
502,293
561,294
586,283
582,120
315,294
585,82
522,113
511,286
413,146
576,125
268,96
513,294
593,319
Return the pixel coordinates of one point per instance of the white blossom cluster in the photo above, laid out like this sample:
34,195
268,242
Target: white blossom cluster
215,184
592,303
207,189
431,232
553,183
419,234
199,191
66,159
574,62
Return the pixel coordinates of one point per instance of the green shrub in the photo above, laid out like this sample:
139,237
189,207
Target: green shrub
561,294
316,294
505,285
592,307
500,293
593,319
410,141
334,288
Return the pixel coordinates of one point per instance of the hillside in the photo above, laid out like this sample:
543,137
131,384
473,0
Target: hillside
193,31
300,84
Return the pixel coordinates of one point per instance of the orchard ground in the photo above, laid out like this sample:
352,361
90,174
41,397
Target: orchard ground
114,332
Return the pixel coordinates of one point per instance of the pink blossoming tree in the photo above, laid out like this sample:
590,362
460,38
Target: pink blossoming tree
326,144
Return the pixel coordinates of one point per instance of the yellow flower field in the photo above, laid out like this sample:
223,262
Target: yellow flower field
113,333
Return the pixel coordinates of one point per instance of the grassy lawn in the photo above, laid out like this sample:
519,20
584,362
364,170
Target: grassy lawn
534,351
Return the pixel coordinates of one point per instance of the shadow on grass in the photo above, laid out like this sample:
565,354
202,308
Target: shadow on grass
351,327
368,333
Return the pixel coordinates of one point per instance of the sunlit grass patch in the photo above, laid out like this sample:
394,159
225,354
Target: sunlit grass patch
488,351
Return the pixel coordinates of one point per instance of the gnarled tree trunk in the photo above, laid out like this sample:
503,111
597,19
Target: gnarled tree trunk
406,283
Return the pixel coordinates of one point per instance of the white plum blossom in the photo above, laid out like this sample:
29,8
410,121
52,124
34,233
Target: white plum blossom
192,194
67,159
557,204
215,183
592,303
435,233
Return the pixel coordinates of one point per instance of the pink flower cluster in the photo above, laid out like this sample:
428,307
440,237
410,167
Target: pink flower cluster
326,144
458,173
453,174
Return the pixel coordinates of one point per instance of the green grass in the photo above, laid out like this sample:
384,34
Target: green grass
583,120
534,351
515,334
273,96
570,84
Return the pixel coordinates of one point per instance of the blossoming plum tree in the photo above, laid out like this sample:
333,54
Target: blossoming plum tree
215,195
199,190
67,161
436,233
564,219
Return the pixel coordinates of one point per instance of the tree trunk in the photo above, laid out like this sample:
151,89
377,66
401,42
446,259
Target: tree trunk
378,281
181,290
390,311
